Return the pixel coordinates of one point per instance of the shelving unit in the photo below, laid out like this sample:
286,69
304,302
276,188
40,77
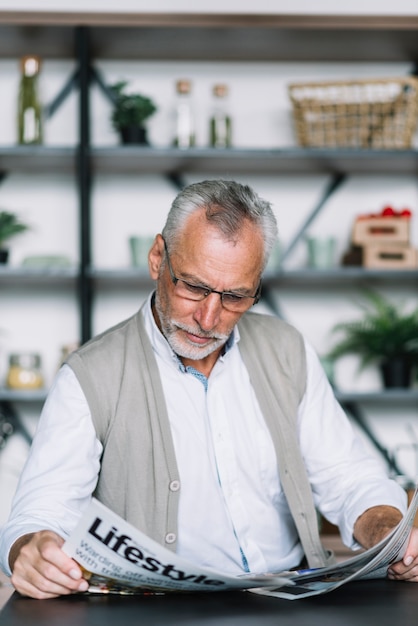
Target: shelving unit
199,38
35,159
392,396
167,161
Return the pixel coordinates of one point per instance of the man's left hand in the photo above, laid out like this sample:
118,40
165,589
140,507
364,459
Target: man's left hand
407,568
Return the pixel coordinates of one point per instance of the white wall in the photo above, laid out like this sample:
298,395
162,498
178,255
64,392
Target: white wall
44,320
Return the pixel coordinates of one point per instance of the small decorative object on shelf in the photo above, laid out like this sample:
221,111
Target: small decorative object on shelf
275,258
24,372
139,246
321,251
382,241
29,106
130,112
386,336
379,113
46,261
220,121
10,225
184,116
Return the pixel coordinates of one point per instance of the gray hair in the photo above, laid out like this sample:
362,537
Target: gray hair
227,204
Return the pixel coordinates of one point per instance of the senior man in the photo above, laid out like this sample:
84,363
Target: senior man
211,428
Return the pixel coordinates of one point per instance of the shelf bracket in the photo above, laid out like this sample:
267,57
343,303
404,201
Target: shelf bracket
177,180
354,411
72,83
268,299
335,183
96,77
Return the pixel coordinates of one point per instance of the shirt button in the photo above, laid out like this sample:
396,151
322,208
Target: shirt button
170,537
174,485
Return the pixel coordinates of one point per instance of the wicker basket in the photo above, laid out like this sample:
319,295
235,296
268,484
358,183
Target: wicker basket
380,113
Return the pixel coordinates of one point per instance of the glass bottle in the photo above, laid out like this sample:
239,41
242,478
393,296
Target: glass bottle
29,107
220,121
184,129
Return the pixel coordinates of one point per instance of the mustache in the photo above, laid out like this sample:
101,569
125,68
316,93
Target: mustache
200,332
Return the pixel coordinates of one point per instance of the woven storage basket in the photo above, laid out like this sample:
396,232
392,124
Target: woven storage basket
379,113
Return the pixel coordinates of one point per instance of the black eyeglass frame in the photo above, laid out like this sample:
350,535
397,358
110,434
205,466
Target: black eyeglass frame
206,291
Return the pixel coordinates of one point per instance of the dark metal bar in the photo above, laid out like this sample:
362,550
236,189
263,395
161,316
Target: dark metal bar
98,79
84,183
177,180
353,410
51,108
336,182
268,299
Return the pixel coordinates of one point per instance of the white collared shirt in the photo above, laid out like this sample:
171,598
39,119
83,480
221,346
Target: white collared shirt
233,514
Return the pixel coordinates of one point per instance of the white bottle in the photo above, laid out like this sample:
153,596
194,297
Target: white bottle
185,127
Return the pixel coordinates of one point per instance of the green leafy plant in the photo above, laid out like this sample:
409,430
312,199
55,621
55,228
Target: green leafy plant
10,225
385,332
130,109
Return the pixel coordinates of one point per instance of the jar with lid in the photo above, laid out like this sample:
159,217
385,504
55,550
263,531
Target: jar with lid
29,108
220,121
184,115
24,372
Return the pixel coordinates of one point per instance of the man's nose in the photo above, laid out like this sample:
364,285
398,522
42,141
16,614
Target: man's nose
208,311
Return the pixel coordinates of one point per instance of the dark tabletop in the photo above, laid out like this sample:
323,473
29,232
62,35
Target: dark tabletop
362,603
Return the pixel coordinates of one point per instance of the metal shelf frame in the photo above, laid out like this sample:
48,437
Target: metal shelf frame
88,37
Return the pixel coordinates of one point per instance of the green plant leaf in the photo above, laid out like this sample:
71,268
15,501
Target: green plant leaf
10,225
385,331
130,109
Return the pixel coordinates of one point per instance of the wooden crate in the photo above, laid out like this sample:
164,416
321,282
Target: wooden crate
391,257
383,229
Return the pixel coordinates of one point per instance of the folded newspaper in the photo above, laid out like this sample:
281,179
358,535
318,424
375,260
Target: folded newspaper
118,558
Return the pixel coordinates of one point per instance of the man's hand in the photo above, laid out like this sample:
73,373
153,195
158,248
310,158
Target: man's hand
374,525
407,569
40,569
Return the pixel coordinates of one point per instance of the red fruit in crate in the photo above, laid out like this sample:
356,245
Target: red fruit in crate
406,213
388,211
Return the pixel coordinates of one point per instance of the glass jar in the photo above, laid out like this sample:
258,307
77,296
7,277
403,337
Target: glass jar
220,121
24,372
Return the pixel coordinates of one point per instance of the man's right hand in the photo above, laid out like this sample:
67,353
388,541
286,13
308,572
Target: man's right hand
40,568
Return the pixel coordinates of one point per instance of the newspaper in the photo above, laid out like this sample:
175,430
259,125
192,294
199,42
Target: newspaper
372,563
117,558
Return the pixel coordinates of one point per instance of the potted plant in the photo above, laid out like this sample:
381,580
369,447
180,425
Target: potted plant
386,335
10,225
130,112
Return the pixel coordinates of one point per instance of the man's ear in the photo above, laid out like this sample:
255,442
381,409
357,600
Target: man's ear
155,257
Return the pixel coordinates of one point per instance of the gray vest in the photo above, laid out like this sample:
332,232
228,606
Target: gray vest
139,477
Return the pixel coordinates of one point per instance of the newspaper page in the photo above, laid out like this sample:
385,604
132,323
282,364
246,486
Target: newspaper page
118,558
372,563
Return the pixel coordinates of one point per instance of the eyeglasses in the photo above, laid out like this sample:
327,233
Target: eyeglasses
234,302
